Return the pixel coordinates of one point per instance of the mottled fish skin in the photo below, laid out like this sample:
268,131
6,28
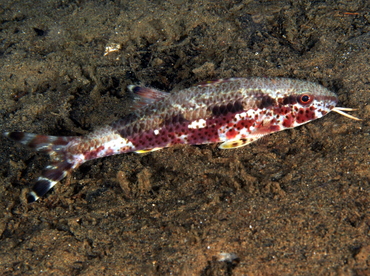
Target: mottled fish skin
233,111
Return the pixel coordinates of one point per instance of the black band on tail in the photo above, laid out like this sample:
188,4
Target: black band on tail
40,188
50,176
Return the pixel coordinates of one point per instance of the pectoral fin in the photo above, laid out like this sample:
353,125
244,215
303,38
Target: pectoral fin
233,144
147,150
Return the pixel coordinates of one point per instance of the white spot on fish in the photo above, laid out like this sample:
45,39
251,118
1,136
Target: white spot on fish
201,123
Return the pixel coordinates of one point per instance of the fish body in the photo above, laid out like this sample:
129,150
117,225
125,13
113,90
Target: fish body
233,112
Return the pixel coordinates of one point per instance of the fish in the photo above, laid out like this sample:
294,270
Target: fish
233,112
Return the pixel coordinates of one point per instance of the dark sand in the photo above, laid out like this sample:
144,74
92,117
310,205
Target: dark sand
296,203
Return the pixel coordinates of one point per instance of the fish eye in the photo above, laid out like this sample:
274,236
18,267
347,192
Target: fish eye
305,99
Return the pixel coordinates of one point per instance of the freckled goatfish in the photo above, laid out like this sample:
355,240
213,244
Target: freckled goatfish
234,112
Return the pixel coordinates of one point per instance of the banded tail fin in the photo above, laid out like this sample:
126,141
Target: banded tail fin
56,147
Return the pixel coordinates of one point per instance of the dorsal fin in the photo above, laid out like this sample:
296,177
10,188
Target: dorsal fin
145,95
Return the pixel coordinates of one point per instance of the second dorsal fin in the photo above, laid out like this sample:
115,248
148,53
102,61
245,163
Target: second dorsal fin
145,95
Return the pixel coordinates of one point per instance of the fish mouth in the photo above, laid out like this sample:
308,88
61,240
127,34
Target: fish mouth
341,110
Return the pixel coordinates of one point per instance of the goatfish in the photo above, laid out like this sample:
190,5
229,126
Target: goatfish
234,112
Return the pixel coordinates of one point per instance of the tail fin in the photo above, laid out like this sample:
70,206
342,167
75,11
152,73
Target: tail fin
56,147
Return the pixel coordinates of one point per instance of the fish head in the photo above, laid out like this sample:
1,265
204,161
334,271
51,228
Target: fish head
303,103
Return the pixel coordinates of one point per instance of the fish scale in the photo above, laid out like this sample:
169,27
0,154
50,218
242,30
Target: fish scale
233,112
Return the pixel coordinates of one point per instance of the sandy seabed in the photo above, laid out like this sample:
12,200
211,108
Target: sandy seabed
296,203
